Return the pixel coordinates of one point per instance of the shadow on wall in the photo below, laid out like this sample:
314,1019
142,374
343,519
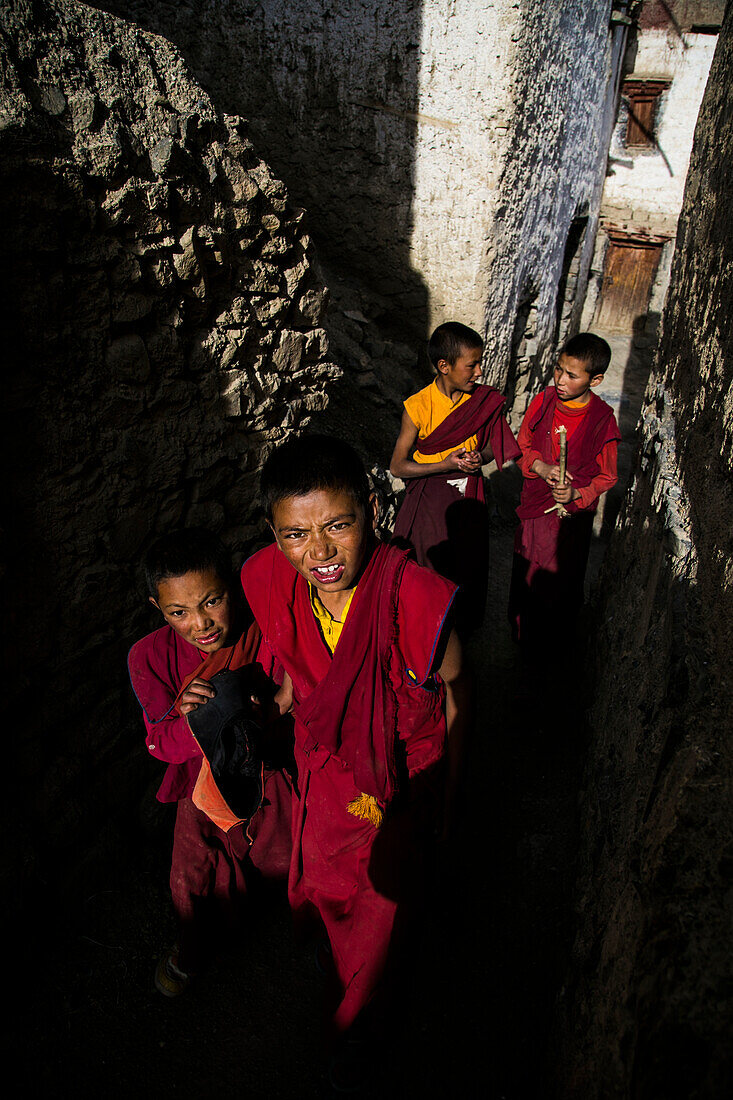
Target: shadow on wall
169,330
653,884
640,357
102,462
331,96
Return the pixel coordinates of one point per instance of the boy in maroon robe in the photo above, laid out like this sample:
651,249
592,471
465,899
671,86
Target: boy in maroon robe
449,430
362,634
556,521
208,627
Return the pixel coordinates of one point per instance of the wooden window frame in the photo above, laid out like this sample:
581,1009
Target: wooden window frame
642,99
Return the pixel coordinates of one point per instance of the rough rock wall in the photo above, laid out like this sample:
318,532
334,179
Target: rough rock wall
163,293
648,1004
442,149
331,95
541,240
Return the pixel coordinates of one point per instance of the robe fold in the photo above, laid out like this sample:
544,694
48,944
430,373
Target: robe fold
366,718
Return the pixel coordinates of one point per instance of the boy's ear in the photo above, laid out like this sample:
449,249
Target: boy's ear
443,366
155,603
597,379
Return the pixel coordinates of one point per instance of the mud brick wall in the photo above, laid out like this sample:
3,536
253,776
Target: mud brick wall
165,314
648,1003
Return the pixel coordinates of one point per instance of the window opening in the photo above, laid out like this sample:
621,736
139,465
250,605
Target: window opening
642,100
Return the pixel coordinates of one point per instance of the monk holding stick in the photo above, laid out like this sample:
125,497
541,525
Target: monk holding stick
568,439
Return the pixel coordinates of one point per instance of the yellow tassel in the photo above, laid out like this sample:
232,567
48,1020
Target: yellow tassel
367,808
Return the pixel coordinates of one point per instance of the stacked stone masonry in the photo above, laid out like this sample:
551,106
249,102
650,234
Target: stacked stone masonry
167,314
444,151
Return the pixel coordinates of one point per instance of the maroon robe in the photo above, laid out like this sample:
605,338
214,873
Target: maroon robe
551,553
449,530
209,867
366,718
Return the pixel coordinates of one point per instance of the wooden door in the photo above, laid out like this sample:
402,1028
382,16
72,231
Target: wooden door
627,284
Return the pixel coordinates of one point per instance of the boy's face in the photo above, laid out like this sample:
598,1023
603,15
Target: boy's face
464,373
199,607
324,535
572,380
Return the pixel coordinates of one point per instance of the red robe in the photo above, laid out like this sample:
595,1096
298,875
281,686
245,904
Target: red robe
551,553
208,864
367,719
448,529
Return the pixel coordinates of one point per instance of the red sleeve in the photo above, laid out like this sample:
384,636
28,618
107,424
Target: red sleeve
604,480
524,439
151,673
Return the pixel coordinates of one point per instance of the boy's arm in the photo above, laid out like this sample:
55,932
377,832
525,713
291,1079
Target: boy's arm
456,680
167,735
170,739
284,696
402,466
458,707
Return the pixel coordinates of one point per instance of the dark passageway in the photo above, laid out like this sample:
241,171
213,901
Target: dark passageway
576,942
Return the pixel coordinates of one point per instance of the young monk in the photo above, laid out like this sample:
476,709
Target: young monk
449,430
556,519
208,627
363,635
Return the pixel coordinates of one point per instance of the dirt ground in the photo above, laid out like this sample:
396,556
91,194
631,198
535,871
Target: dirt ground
495,937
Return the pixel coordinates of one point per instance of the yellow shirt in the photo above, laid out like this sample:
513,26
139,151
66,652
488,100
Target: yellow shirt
330,628
427,409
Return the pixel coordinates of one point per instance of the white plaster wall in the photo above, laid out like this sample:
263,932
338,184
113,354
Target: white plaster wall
464,85
442,148
562,87
647,186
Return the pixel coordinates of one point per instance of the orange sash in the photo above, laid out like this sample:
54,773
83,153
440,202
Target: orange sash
206,795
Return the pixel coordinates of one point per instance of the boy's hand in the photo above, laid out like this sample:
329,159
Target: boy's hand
550,474
197,693
467,462
473,461
565,494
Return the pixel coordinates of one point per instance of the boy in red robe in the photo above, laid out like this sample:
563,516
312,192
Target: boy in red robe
449,430
551,548
363,636
208,628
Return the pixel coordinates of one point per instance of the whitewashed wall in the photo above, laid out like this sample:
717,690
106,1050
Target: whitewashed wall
647,186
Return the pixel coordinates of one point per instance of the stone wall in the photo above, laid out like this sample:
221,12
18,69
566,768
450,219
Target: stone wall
541,239
166,309
449,155
647,1005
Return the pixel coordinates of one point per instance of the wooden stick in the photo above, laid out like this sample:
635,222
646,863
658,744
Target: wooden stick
562,431
563,466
